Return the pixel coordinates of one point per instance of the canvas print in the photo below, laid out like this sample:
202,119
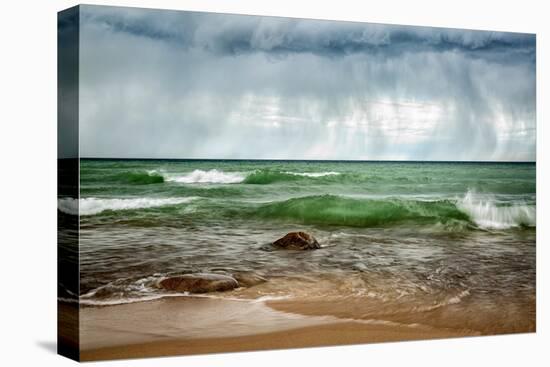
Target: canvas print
235,183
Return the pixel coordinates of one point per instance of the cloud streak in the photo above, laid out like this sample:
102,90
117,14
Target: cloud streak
171,84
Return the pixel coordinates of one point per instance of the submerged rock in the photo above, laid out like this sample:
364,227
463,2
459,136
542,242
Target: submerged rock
297,241
199,283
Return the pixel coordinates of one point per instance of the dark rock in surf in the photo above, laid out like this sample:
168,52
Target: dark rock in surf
199,283
248,279
297,241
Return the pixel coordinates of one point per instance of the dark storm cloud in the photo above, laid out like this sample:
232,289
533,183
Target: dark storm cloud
184,84
235,34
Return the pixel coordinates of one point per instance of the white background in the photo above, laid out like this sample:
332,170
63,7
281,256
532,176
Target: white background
28,182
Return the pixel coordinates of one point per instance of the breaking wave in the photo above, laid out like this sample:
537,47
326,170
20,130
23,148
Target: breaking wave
211,176
92,206
487,214
261,176
346,211
313,174
471,211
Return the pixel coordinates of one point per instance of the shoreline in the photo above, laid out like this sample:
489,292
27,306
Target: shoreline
194,325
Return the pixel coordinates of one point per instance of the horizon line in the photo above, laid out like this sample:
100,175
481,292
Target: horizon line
297,160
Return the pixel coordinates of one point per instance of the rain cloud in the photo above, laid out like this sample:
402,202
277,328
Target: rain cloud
172,84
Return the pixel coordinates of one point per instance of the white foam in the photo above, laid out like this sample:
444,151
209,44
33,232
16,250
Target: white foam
446,302
124,300
211,176
486,214
92,206
313,174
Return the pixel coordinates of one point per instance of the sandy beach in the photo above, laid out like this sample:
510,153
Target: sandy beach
189,325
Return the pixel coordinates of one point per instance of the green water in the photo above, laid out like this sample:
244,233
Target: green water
414,234
322,193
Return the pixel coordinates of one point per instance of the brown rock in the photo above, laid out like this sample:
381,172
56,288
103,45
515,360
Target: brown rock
248,279
199,283
297,241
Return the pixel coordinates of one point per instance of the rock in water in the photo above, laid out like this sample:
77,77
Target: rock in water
248,279
199,283
297,241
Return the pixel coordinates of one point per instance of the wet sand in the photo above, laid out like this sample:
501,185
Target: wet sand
470,317
189,325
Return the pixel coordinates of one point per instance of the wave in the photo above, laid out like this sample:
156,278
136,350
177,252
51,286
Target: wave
471,211
346,211
313,174
486,214
261,176
264,176
211,176
93,206
126,177
141,178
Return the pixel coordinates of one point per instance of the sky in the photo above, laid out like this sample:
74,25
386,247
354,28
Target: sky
173,84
